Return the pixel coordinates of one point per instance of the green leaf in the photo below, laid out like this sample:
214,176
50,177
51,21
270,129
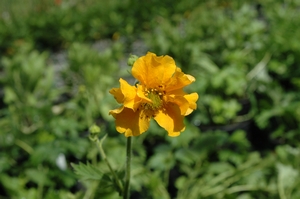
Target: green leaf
87,171
162,160
38,176
287,176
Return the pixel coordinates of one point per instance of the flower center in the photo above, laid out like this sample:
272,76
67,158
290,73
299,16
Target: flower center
156,97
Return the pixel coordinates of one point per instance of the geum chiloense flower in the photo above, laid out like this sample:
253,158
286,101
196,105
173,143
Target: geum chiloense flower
158,94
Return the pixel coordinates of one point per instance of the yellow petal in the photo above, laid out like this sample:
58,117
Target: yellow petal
116,111
186,102
118,95
180,101
141,93
129,122
152,70
131,100
179,80
170,119
192,99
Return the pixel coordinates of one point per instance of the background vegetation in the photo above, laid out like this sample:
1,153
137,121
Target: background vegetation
59,58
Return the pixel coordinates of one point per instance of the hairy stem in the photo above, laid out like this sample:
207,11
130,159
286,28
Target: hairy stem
117,180
128,164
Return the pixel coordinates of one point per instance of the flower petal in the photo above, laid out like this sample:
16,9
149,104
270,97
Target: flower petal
179,80
170,119
186,102
116,111
141,94
118,95
192,99
152,70
180,101
131,100
129,122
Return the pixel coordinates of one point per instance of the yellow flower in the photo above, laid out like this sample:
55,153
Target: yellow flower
159,95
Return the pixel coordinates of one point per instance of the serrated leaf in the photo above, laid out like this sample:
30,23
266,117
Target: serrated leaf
87,171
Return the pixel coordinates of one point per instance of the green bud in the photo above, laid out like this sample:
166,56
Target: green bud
132,59
94,131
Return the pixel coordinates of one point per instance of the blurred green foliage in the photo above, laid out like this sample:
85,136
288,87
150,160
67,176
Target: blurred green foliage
58,60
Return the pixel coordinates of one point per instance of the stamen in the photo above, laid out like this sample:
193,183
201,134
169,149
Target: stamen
156,98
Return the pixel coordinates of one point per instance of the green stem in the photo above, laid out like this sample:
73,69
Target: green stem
117,181
128,164
24,146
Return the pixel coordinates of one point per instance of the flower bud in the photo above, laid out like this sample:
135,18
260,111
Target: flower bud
94,131
132,59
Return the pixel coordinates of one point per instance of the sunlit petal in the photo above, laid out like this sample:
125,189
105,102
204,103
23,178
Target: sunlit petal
179,80
152,70
130,98
180,101
170,119
141,94
129,122
118,95
192,99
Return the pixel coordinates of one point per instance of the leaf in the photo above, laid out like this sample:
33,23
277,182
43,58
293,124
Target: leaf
38,176
287,176
162,160
87,171
10,95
